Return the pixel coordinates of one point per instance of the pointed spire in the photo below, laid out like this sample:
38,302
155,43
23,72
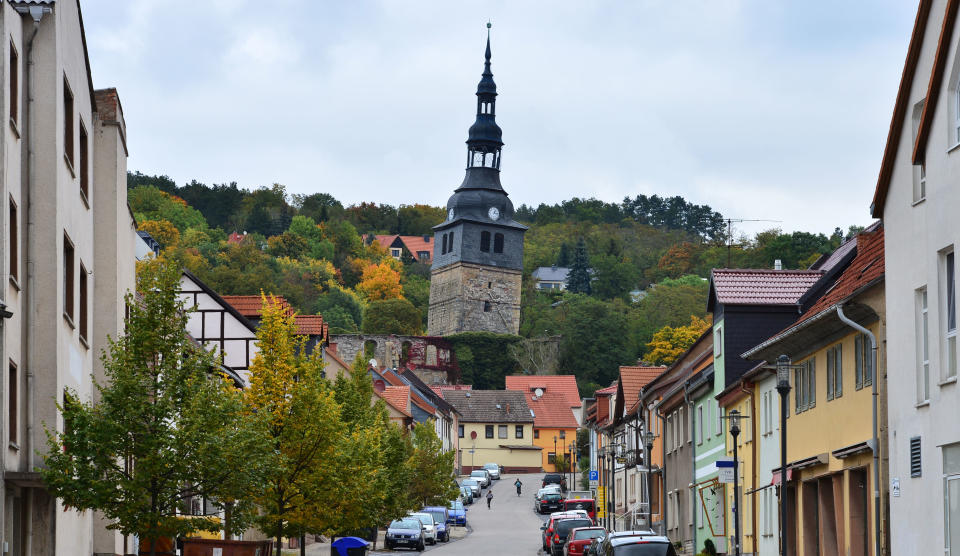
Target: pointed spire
486,85
489,25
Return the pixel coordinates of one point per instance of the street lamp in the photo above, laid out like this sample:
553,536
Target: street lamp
783,387
554,453
734,418
603,469
648,438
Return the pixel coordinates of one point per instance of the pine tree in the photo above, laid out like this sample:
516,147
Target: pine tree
578,280
563,258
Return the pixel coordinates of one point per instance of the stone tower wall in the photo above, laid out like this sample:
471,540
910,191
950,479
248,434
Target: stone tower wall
458,294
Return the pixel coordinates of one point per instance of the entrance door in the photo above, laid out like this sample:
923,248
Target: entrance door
953,515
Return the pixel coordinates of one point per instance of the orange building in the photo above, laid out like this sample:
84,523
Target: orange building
553,400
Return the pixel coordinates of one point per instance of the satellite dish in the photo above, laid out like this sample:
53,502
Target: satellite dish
538,392
373,363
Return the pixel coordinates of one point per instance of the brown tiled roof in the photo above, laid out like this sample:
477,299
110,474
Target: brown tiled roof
562,384
310,325
421,403
761,286
551,411
633,378
480,406
413,244
251,306
398,397
608,390
865,268
440,388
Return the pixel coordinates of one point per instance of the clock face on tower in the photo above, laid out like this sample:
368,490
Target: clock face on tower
493,213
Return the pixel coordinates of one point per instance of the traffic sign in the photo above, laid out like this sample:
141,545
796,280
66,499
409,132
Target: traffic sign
725,470
601,504
594,475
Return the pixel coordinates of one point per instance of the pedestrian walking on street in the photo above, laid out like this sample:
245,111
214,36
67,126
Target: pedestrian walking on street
518,484
489,498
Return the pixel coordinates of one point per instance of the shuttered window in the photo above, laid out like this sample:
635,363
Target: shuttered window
915,460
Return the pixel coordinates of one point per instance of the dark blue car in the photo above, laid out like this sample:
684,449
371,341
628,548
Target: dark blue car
458,514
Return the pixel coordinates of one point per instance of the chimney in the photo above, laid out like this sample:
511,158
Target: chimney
426,238
778,264
508,407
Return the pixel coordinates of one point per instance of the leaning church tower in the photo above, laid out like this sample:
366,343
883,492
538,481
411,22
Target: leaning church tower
478,249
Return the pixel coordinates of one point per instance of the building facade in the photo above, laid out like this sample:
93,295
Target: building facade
68,255
916,197
478,250
495,426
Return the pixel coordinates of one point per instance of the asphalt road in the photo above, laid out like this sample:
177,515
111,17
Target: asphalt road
509,527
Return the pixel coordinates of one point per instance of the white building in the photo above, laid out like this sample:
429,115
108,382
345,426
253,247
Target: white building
68,255
917,197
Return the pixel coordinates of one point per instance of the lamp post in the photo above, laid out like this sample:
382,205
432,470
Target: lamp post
554,453
734,418
648,441
603,471
783,387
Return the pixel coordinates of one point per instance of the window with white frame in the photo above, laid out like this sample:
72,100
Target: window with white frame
949,320
923,346
834,371
919,170
676,432
699,424
718,343
864,361
805,392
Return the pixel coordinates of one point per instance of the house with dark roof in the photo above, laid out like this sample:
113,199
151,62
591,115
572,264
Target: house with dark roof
835,457
496,426
551,277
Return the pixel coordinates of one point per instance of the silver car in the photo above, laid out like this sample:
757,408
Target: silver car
481,475
474,484
494,470
429,526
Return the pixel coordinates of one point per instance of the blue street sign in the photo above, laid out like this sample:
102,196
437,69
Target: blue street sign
594,475
725,463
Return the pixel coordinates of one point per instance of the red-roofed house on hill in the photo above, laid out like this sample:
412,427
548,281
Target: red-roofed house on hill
311,326
420,248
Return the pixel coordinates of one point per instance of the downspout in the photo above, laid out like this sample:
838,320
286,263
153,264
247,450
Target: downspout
753,466
876,445
693,468
36,13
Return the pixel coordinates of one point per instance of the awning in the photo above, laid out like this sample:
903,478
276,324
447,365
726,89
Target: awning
521,447
853,449
776,476
24,479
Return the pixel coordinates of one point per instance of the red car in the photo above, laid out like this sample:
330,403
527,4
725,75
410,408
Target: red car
587,504
580,538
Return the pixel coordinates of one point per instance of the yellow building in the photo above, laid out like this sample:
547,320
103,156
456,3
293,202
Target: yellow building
496,426
553,400
831,475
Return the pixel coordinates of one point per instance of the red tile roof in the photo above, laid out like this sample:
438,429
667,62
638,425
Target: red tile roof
761,286
251,306
439,388
606,391
421,403
414,244
633,378
563,384
865,268
398,397
551,411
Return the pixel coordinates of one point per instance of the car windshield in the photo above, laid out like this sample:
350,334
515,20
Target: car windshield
404,524
456,505
493,466
477,474
470,482
551,497
645,549
588,534
438,516
425,519
564,527
579,505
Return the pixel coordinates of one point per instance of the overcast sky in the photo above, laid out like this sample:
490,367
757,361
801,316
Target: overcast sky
762,109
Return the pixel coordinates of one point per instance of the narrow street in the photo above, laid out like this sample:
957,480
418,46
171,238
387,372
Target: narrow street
509,527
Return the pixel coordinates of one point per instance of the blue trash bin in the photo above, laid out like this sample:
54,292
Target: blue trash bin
349,546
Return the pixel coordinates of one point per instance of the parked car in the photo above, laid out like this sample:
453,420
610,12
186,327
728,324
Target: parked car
481,475
494,470
429,526
474,485
572,513
466,495
555,479
580,538
547,528
548,488
440,516
407,532
587,504
561,530
551,501
457,513
632,546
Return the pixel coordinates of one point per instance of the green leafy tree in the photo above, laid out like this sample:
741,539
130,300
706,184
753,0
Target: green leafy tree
594,342
670,302
150,203
417,291
485,358
578,280
392,316
431,469
670,342
166,409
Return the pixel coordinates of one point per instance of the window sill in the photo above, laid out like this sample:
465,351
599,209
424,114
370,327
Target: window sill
925,403
83,342
951,380
73,172
953,148
918,201
83,197
14,128
14,282
69,320
13,446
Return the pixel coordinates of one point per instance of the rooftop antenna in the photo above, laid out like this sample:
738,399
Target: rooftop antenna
730,222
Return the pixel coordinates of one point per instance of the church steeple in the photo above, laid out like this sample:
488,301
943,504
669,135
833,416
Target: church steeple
484,140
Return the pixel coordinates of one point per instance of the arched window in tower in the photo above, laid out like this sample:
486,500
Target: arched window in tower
450,244
485,242
498,243
443,249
